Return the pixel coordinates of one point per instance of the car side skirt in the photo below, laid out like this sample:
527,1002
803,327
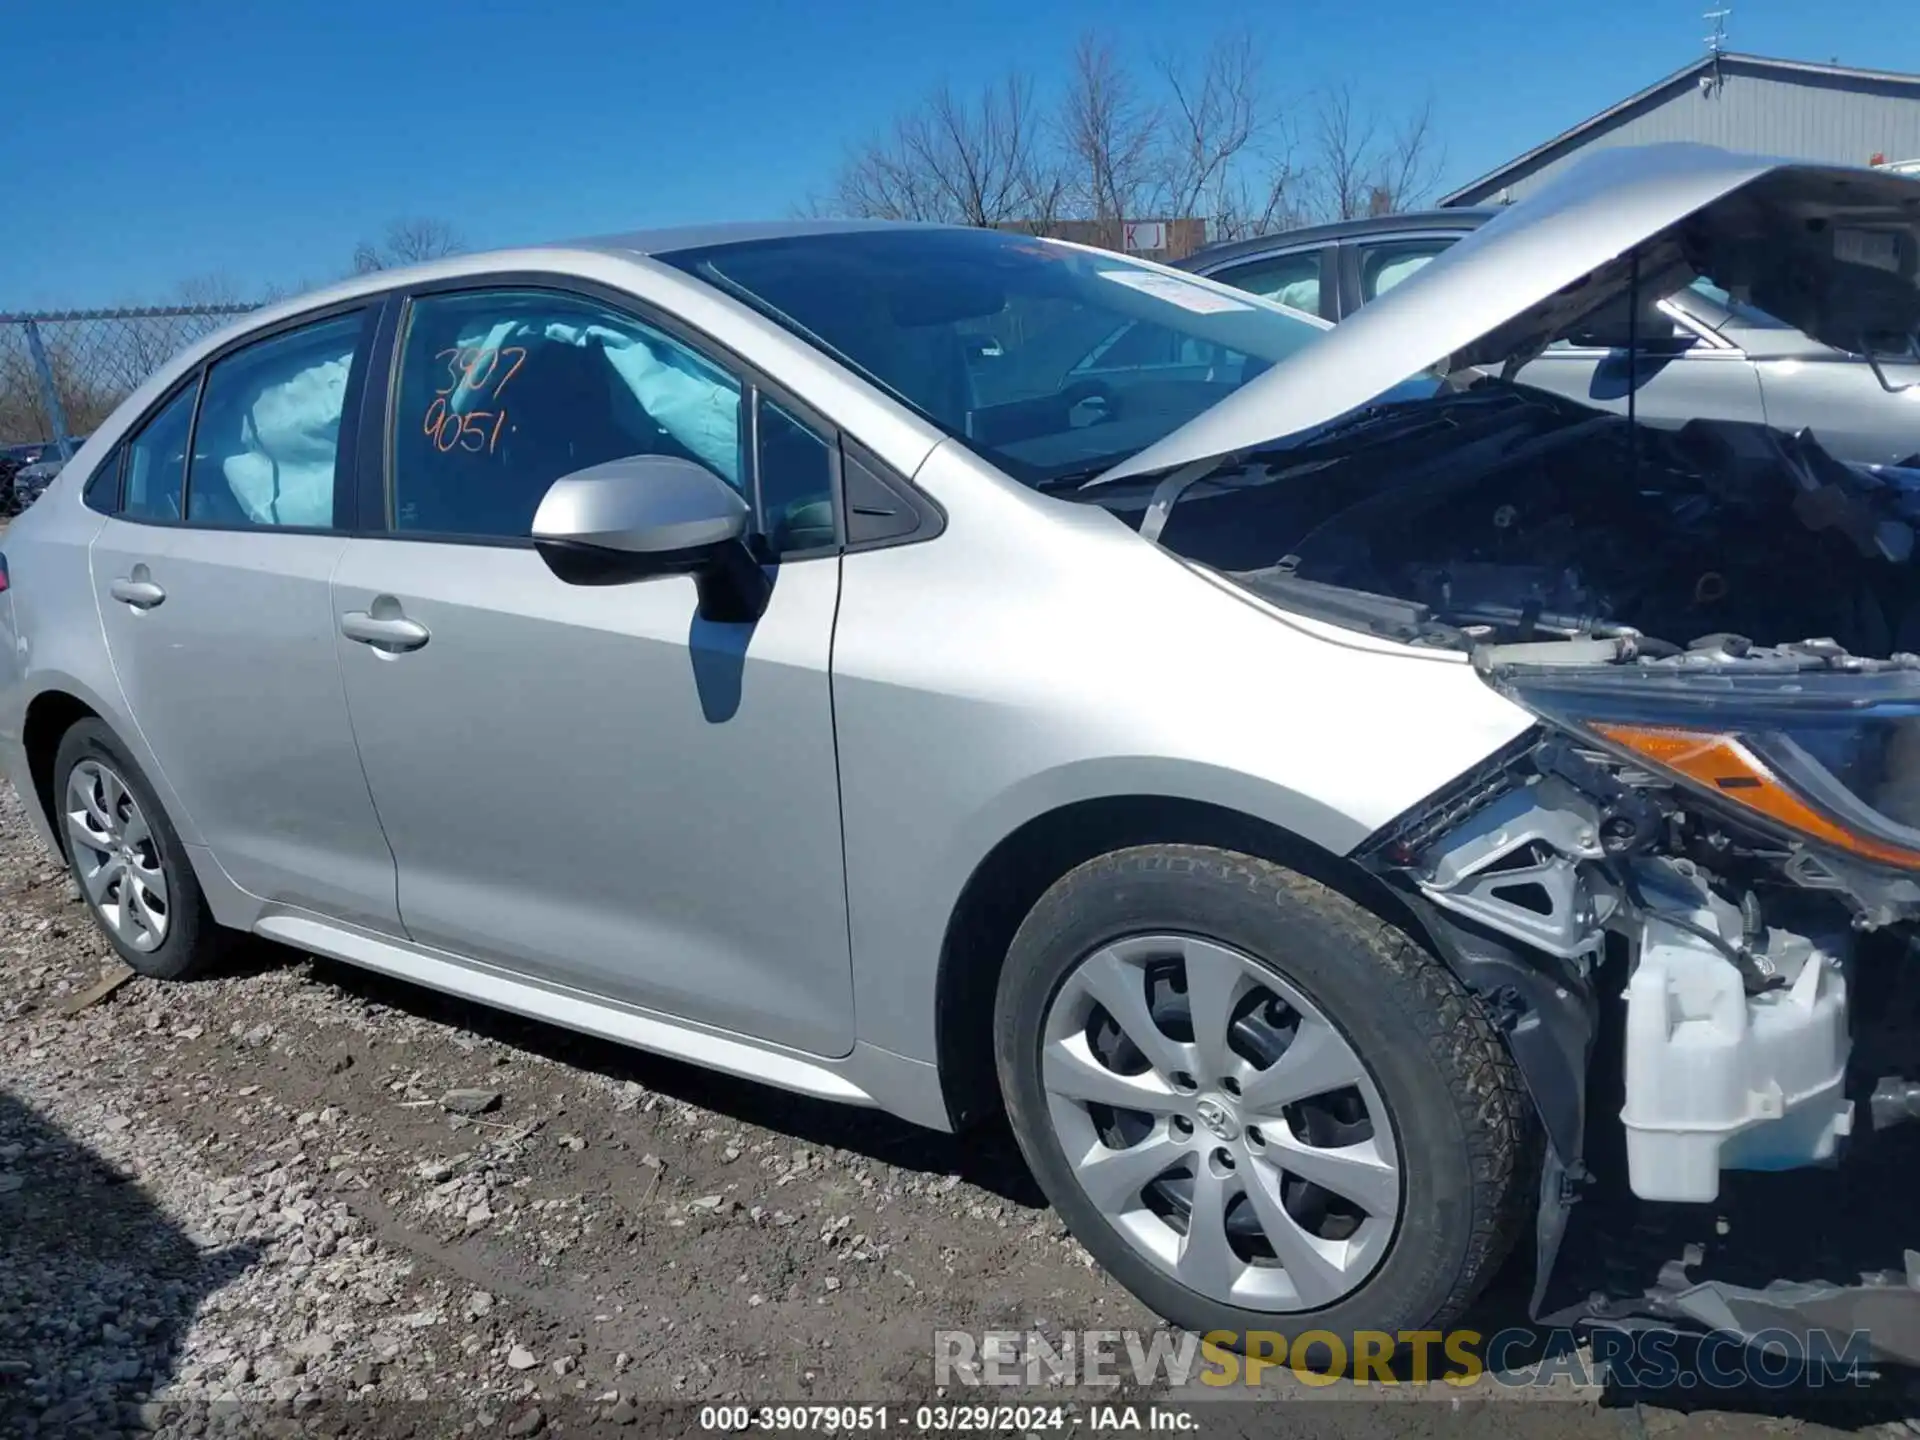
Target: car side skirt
911,1087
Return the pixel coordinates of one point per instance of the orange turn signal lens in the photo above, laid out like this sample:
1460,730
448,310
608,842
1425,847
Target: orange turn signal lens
1721,764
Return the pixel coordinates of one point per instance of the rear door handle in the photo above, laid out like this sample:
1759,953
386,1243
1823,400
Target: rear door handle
395,634
141,594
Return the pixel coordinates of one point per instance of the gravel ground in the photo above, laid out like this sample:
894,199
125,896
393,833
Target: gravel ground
301,1197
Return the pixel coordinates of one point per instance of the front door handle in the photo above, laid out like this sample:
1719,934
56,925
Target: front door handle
394,634
141,594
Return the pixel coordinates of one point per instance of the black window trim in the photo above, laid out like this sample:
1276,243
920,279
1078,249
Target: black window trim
929,520
195,380
344,499
117,459
375,503
1343,264
829,437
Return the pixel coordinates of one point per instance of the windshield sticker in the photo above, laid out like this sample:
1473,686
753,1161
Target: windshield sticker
1185,294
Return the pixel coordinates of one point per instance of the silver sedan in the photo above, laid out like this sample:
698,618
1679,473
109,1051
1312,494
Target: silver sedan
954,671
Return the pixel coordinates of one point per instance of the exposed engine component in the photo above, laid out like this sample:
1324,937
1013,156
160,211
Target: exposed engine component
1515,867
1895,1100
1511,516
1714,529
1718,1078
1737,1035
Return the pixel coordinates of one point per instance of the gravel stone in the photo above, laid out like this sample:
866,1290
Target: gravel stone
470,1102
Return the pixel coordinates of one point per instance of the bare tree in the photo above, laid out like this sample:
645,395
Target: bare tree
1226,149
1411,165
1203,138
975,161
1256,201
1214,112
1361,167
408,242
1342,143
1109,132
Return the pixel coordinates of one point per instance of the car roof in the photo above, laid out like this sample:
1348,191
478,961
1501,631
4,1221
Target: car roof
671,239
1464,217
628,246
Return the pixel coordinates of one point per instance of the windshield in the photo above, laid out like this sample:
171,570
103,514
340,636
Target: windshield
1050,361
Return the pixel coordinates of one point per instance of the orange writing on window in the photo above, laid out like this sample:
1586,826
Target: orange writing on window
475,368
475,431
482,371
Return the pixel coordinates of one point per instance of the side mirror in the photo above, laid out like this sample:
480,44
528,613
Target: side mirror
649,515
1615,327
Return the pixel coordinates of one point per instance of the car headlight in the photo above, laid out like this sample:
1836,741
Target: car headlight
1808,762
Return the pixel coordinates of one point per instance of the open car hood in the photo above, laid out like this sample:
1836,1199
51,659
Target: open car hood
1831,250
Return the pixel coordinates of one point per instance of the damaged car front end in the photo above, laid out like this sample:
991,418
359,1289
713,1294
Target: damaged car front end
1715,856
1714,825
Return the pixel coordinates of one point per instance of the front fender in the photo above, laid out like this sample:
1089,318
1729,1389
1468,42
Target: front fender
1039,654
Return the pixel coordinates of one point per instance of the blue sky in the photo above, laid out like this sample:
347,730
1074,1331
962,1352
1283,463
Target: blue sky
142,144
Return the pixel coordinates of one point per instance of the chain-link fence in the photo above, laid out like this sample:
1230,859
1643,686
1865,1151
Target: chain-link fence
63,371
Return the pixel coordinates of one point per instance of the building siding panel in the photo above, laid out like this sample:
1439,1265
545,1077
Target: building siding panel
1805,117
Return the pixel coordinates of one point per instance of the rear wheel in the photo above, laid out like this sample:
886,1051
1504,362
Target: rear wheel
1258,1105
127,859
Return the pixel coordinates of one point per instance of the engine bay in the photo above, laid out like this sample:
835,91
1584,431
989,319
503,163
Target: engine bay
1499,515
1688,892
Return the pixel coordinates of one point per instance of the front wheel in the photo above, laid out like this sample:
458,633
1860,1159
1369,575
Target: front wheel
1257,1104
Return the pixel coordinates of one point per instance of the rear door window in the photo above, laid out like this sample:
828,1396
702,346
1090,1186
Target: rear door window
266,445
1286,279
156,471
1386,265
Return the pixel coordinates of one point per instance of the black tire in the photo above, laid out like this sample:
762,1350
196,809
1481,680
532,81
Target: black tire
1463,1126
193,940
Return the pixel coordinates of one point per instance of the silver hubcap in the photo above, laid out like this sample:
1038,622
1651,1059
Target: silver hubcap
1221,1123
116,856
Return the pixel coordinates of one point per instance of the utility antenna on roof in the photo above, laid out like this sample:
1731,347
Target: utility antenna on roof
1716,47
1717,41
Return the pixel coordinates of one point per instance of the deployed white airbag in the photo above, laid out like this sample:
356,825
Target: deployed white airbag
291,432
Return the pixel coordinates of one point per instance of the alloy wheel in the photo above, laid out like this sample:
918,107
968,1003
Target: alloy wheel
1223,1125
116,855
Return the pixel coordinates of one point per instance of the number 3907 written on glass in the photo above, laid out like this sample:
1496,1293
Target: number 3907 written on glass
482,371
